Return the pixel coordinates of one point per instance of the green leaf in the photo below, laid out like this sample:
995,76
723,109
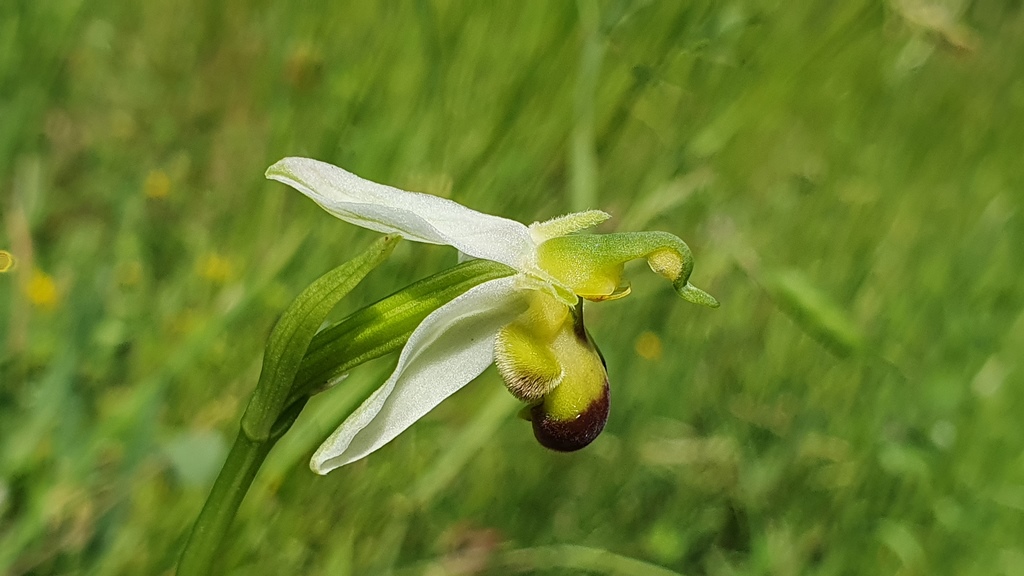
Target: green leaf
295,330
386,325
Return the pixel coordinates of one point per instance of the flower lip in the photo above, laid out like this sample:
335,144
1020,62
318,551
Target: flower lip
574,434
563,422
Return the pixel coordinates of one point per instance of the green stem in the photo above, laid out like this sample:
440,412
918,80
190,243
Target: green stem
235,477
366,334
234,480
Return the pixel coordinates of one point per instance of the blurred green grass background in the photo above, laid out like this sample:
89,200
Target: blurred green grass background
849,175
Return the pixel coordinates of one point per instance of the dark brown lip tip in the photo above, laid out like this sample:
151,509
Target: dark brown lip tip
571,435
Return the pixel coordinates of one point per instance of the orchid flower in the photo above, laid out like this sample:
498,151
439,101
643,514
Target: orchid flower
530,323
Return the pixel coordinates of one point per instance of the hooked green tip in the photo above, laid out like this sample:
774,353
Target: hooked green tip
695,295
591,264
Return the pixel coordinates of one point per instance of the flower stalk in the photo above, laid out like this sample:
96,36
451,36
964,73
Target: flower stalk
232,484
517,302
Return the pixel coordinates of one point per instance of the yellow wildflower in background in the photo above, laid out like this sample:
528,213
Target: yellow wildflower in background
215,268
157,185
6,261
648,345
42,291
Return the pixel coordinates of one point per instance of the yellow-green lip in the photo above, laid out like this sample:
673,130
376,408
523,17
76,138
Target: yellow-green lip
574,434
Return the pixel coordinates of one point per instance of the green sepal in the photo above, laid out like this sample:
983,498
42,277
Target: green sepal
386,325
591,264
295,330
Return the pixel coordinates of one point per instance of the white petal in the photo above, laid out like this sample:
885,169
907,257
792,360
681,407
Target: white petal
451,347
416,216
